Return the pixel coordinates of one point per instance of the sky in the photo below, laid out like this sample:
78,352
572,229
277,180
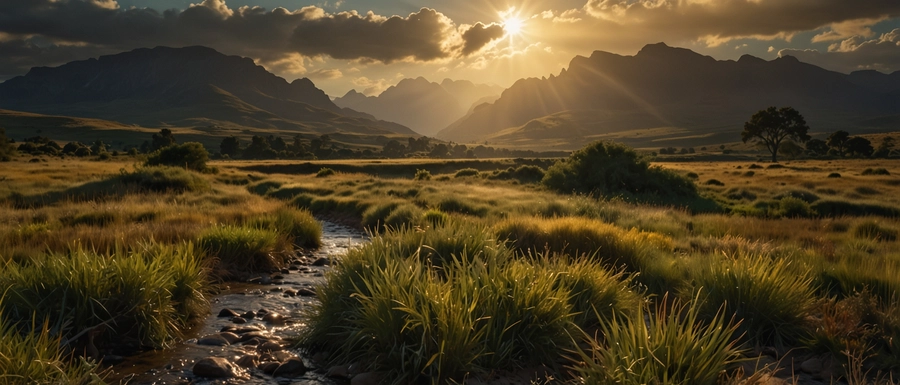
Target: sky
369,45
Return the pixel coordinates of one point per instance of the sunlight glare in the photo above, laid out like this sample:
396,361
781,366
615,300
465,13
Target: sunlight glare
513,25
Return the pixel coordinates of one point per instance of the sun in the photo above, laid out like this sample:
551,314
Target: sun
513,25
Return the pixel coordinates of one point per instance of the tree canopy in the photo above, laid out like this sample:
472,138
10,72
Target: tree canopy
774,125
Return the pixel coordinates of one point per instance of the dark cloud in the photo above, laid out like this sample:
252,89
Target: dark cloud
881,53
78,29
479,35
721,20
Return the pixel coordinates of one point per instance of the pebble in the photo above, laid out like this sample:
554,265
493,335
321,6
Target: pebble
292,367
274,319
250,314
213,367
228,313
323,261
811,366
213,340
230,337
290,293
248,361
306,292
239,320
269,346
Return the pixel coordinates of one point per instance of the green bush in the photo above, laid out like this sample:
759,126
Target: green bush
241,248
524,174
191,156
668,346
324,171
422,174
611,169
791,207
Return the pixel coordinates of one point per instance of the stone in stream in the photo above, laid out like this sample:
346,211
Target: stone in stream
339,371
292,367
268,367
213,367
290,293
306,292
230,337
248,361
228,313
250,314
242,329
323,261
269,347
285,271
213,340
274,319
368,378
255,335
239,320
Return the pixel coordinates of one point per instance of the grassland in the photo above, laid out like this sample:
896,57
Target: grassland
476,267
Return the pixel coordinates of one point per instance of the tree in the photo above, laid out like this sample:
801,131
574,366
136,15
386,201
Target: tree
259,149
191,155
817,147
7,149
163,139
230,146
859,147
838,141
884,149
773,125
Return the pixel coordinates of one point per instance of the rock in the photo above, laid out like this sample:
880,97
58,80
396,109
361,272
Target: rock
340,371
276,289
281,356
368,378
254,335
248,361
230,337
812,366
290,293
213,340
269,367
262,279
293,267
274,319
323,261
292,367
253,342
306,292
285,271
269,347
228,313
213,367
112,359
277,277
243,329
249,315
239,320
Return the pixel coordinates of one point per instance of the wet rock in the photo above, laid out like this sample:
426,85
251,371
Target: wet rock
228,313
285,271
369,378
239,320
253,342
293,268
213,340
260,312
248,361
281,356
230,337
292,367
250,314
812,366
305,269
290,293
323,261
274,319
339,371
112,359
242,329
262,279
254,335
269,346
306,292
268,367
276,289
277,277
213,367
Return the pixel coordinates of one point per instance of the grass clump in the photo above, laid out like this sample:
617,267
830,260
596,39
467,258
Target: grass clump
769,297
146,295
241,248
298,226
37,358
374,216
422,174
163,178
324,172
596,294
870,229
791,207
669,346
435,217
876,171
462,173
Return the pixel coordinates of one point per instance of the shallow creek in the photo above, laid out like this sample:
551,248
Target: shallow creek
288,297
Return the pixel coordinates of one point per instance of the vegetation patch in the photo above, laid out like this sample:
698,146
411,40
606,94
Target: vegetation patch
241,248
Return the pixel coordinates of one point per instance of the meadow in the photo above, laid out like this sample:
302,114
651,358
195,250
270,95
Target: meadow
475,267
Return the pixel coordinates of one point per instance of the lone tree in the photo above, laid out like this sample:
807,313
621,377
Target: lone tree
773,125
838,141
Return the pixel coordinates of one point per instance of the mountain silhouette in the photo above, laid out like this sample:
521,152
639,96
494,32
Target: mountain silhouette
192,86
665,96
424,106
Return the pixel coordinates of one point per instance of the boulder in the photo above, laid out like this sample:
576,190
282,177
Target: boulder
213,367
292,367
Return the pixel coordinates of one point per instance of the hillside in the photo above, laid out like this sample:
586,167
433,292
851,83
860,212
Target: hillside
424,106
184,87
665,96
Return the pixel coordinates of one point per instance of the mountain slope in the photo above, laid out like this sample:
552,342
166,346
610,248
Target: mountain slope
179,86
424,106
666,96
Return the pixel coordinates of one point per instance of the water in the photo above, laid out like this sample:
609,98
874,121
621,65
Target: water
173,366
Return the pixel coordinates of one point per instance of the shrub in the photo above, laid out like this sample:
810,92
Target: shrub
791,207
524,174
876,171
693,175
768,296
453,204
612,169
422,175
191,156
668,346
324,171
465,172
837,208
163,179
595,293
834,175
873,230
714,182
241,248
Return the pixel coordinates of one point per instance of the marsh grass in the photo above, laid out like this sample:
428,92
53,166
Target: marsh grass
296,226
242,248
38,358
666,345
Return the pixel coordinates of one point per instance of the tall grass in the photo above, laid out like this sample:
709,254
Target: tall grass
241,248
147,295
667,346
297,226
37,358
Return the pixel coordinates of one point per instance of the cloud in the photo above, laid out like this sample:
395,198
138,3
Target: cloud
329,74
718,21
478,36
274,37
856,53
372,87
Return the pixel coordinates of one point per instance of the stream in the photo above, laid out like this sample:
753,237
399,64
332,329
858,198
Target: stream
283,297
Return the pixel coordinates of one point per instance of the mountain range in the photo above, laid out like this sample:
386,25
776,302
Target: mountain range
195,87
424,106
665,96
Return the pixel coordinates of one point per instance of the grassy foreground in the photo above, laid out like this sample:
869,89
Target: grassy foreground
470,270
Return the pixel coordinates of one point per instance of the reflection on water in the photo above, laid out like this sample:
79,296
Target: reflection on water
173,366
